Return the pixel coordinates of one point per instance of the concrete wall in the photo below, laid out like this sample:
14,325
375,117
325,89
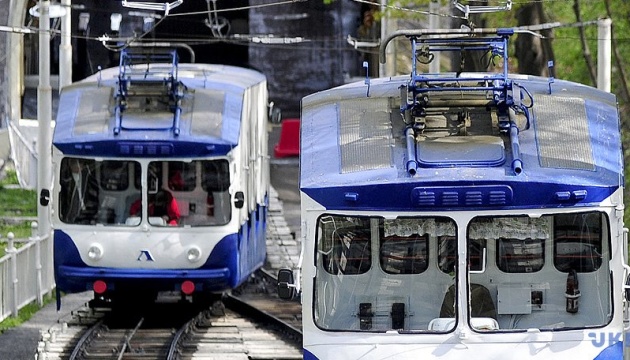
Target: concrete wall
322,61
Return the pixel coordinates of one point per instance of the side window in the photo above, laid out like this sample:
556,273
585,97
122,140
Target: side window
79,191
520,255
447,253
115,175
182,176
519,242
404,254
350,252
216,175
578,242
476,254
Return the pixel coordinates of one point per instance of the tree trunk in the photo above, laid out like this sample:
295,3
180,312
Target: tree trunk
468,60
533,53
625,95
585,49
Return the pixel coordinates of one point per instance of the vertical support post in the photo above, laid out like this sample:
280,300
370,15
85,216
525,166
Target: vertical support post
389,68
15,60
65,49
44,119
434,23
38,263
12,252
604,45
381,67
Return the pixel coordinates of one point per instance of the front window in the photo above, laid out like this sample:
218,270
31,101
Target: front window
579,242
542,272
547,272
80,185
177,193
375,274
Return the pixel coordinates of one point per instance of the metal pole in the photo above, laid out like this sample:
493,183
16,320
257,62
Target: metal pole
12,252
65,56
604,41
382,67
434,23
38,264
44,119
389,68
15,60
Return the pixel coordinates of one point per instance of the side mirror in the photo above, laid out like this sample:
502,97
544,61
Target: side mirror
286,285
626,287
44,197
239,199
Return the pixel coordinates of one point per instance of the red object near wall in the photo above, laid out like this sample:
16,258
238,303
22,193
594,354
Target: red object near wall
289,144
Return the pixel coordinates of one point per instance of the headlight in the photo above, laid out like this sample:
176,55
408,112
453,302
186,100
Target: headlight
194,254
95,252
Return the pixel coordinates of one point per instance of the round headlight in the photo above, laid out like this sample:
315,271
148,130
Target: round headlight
193,254
95,252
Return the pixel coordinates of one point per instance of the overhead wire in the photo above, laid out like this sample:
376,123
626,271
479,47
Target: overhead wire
241,8
128,41
407,9
123,42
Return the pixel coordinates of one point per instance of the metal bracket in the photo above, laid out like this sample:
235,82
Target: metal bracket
476,9
166,7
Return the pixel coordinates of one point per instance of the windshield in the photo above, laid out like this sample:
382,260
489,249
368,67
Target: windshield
375,274
177,193
547,272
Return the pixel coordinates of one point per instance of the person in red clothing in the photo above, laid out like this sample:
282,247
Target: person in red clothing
162,204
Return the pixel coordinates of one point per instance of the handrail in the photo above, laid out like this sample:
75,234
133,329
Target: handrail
441,34
424,43
20,293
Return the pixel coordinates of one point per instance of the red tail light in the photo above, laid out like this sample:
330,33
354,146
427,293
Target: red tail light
188,287
99,286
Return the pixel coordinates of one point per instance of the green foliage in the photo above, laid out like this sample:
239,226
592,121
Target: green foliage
570,62
16,203
21,230
10,178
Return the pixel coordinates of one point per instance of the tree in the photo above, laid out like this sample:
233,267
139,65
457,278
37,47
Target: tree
532,52
469,61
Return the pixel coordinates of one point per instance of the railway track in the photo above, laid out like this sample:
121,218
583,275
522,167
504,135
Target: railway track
216,333
244,325
251,322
